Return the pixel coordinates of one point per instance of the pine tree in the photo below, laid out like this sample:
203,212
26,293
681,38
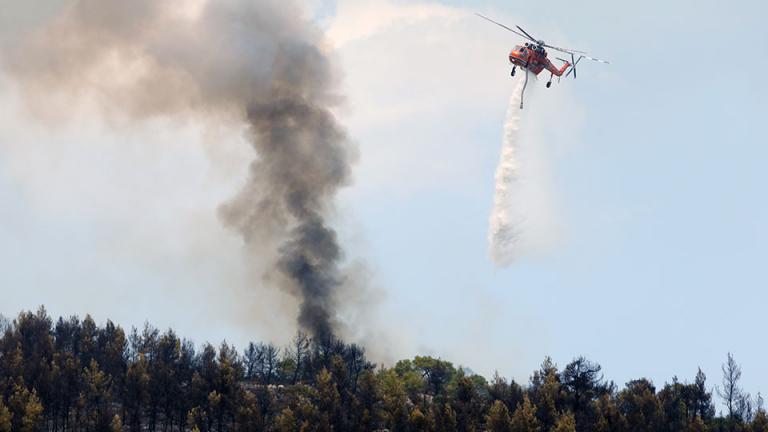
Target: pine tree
760,422
86,341
215,408
549,394
395,400
136,391
248,418
524,418
582,383
5,417
365,413
197,419
498,419
436,372
675,405
116,425
419,422
96,396
329,400
608,417
640,406
467,401
696,425
228,382
731,392
27,410
286,421
701,398
33,415
445,418
565,423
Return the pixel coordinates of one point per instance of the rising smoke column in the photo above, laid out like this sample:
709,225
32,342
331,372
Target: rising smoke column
302,164
258,63
505,220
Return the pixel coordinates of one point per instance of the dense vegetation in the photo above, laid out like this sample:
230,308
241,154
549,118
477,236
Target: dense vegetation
74,375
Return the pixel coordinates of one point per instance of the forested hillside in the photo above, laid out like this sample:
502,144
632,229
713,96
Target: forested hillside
72,374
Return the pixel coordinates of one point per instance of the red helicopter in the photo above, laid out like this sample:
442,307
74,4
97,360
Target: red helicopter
533,57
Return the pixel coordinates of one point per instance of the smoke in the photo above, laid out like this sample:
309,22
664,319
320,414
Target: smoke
505,219
258,64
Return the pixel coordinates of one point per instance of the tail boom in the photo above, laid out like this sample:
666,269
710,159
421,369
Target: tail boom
558,72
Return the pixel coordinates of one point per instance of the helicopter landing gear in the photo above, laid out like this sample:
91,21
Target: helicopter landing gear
549,83
513,71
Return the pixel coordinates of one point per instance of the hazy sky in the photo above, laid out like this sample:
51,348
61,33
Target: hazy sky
646,242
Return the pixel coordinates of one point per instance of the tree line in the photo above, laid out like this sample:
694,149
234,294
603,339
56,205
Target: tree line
73,375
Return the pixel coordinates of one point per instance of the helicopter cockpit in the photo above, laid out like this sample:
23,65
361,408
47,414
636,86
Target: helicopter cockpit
535,48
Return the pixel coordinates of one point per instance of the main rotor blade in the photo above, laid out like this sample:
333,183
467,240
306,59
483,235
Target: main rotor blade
499,24
596,59
532,39
565,50
526,33
582,54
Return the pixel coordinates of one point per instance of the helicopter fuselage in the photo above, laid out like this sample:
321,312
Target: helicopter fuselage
534,58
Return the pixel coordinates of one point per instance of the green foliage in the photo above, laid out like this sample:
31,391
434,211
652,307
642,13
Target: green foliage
469,402
394,399
498,419
445,418
26,409
547,393
197,419
676,405
136,390
419,422
700,399
582,383
412,379
697,425
366,412
566,422
286,421
73,375
328,399
249,418
95,397
509,393
640,406
116,425
760,422
608,417
435,373
524,419
5,418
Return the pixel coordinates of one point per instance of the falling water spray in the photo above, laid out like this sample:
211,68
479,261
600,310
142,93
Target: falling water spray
505,220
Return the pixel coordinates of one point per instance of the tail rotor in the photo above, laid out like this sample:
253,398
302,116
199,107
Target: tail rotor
574,61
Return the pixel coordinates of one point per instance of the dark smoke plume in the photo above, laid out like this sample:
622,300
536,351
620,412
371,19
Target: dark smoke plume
258,62
303,162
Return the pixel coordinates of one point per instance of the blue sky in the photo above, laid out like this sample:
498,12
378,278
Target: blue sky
652,168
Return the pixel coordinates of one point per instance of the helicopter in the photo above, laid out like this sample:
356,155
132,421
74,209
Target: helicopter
531,56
